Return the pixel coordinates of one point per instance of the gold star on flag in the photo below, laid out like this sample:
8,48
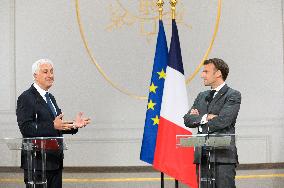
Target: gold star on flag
153,88
162,74
156,120
151,105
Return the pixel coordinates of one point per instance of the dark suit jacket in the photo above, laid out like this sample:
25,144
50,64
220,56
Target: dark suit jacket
225,105
35,119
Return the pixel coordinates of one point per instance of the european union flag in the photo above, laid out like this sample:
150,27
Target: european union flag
155,97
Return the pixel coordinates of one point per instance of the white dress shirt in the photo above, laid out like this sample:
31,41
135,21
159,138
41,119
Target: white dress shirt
204,117
42,93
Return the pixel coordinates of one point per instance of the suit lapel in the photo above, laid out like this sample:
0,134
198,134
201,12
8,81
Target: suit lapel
220,94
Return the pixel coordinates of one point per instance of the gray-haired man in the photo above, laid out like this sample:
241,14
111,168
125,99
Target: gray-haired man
38,115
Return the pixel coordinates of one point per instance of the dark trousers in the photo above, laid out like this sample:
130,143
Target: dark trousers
224,174
54,179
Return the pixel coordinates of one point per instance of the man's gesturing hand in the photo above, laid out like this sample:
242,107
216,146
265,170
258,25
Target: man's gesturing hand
60,125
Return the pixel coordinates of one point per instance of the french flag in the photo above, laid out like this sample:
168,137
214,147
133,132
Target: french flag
168,158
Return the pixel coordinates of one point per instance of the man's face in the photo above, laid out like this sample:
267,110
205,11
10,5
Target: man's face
44,77
210,74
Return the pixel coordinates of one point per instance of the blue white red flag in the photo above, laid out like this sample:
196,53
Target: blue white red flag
170,159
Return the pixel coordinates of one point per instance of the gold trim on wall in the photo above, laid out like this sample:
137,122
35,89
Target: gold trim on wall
116,86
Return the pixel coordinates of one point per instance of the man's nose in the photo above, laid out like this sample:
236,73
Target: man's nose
50,74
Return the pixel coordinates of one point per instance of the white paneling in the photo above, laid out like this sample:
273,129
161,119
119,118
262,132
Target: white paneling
279,151
254,149
7,94
104,153
9,157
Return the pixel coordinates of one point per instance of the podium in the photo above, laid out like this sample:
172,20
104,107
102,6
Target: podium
205,147
35,149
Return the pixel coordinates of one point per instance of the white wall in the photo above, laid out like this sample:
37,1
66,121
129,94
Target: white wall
250,40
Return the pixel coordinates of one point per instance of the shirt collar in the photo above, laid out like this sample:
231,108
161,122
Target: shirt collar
219,87
41,91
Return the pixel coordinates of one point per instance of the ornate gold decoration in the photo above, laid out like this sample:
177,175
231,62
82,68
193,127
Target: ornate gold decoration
147,16
160,4
119,18
122,21
173,8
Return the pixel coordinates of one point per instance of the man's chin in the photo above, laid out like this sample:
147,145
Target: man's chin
49,85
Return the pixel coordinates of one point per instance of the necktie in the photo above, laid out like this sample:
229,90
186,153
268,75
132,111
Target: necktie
210,96
49,103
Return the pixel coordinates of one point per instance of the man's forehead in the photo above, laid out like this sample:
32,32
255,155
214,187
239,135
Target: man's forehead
46,66
209,66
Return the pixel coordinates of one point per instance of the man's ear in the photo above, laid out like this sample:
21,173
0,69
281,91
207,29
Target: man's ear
219,73
35,75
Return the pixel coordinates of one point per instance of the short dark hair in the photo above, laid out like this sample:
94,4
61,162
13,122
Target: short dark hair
219,65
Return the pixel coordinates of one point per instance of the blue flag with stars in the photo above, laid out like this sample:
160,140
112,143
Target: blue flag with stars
155,97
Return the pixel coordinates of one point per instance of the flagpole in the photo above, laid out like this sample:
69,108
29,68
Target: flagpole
173,8
160,4
162,180
176,183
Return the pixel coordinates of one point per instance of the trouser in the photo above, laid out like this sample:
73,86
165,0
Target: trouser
54,179
224,174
